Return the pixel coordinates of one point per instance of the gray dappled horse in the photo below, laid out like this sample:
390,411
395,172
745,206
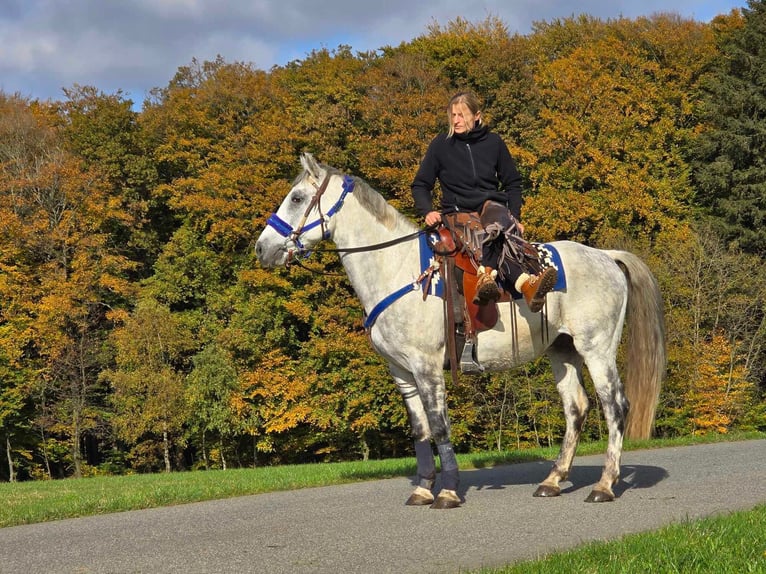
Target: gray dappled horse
582,325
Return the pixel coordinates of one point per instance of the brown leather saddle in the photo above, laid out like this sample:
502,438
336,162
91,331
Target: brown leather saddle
460,247
462,236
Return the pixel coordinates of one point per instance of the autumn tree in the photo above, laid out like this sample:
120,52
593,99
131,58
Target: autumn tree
217,159
319,98
618,109
402,107
59,214
714,300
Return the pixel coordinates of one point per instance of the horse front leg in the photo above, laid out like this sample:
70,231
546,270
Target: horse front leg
427,410
421,433
566,364
447,497
434,397
424,455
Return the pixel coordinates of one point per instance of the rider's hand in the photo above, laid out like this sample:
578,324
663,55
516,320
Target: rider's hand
520,227
433,217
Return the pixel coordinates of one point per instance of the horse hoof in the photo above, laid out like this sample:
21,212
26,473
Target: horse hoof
600,496
420,499
446,500
546,491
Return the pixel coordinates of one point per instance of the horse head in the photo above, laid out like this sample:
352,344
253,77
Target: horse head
305,216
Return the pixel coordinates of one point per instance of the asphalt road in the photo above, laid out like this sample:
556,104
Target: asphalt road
366,528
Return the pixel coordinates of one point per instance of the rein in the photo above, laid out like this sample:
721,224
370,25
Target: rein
294,234
363,249
374,247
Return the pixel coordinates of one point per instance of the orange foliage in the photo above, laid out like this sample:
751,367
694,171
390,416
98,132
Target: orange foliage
718,387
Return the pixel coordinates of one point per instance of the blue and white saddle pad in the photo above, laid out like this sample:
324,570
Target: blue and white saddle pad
427,258
549,257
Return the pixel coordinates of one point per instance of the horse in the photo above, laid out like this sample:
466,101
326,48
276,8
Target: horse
581,325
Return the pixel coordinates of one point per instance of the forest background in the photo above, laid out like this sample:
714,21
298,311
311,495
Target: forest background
138,334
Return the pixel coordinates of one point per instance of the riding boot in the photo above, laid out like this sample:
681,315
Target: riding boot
534,287
486,287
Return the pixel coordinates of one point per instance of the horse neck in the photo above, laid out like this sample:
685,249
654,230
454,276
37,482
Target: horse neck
377,273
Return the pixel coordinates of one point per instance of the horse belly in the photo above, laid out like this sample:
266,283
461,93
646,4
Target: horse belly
514,340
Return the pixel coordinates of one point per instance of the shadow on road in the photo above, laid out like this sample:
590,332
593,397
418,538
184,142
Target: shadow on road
581,477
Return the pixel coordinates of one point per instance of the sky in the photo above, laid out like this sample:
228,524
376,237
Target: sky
136,45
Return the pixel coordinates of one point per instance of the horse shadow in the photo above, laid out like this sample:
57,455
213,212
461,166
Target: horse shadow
632,476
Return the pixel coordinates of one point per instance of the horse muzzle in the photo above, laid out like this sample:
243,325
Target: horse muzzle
272,254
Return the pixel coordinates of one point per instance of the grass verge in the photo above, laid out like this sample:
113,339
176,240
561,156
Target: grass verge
731,544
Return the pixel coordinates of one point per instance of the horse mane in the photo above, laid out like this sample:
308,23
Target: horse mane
374,203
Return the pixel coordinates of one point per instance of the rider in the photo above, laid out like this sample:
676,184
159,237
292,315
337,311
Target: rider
478,174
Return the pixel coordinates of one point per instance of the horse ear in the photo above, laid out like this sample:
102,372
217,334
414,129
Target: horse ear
310,164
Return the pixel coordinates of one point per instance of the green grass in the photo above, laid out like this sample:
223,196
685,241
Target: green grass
732,544
40,501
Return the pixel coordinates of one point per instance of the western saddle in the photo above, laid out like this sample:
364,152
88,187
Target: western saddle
459,248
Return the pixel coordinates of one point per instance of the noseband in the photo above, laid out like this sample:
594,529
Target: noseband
293,234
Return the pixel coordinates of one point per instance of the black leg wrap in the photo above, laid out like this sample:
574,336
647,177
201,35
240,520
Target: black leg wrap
426,465
450,475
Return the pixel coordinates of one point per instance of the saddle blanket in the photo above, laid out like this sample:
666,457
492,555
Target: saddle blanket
549,257
548,254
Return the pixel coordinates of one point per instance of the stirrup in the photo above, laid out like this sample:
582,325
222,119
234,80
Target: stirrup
467,362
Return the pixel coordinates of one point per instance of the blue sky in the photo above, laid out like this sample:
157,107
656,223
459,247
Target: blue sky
137,45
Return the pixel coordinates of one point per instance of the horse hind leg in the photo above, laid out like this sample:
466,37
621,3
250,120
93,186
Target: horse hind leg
566,364
615,407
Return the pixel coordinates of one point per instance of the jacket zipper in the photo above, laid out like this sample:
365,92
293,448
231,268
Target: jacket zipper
473,165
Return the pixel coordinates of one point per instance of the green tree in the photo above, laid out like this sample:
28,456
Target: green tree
104,132
209,393
730,170
147,383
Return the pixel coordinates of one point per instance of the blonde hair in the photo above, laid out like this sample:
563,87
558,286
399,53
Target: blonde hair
467,99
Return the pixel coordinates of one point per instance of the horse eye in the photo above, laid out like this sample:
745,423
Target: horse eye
297,198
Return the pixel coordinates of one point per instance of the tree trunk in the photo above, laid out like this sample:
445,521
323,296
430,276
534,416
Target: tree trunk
223,458
365,448
204,451
45,452
11,473
76,455
166,449
501,418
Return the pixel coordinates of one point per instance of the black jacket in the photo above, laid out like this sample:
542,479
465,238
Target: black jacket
471,168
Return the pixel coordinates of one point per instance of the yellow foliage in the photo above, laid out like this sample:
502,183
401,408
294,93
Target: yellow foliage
718,389
277,394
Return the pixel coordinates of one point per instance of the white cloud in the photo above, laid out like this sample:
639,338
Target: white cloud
137,45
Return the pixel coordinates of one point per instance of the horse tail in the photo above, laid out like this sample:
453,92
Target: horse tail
645,352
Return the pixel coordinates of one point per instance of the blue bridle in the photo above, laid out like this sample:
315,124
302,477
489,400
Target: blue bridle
286,230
